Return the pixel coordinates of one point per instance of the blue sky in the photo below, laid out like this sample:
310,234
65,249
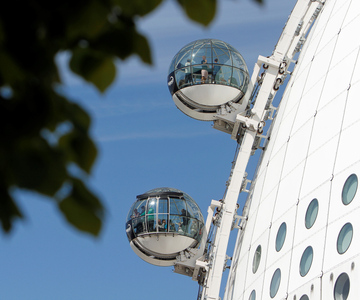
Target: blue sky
144,142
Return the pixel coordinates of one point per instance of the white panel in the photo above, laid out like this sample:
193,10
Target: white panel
352,109
337,208
352,13
331,257
297,147
312,289
356,73
282,132
263,242
258,287
338,79
274,172
328,122
273,255
319,167
283,265
264,215
351,268
307,108
240,279
288,193
347,41
322,195
348,151
256,194
317,243
334,24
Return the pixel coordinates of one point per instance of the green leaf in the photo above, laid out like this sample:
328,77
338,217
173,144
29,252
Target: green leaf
142,48
82,209
8,210
94,67
79,148
201,11
137,7
90,20
123,41
37,166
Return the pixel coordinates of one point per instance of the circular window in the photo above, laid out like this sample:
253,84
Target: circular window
252,295
344,238
275,283
342,287
304,297
256,259
349,189
306,261
311,213
280,237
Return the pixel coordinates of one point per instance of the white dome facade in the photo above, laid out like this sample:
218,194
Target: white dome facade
303,207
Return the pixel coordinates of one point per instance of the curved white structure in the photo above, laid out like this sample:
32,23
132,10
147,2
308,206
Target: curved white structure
300,240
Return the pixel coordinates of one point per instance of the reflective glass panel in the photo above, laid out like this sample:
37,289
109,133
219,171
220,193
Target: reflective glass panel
275,283
256,259
280,237
150,215
252,295
311,213
304,297
163,206
342,287
306,261
176,205
344,238
349,189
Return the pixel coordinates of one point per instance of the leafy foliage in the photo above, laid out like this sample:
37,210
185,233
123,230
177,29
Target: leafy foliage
43,135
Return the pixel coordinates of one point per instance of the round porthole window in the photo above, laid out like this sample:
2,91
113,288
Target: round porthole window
342,287
306,261
349,189
311,213
280,237
304,297
252,295
256,259
344,238
275,283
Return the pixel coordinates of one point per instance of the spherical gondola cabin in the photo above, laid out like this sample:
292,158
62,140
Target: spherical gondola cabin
162,223
205,75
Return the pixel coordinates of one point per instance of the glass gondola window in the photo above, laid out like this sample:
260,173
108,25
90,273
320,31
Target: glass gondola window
280,237
306,261
275,283
256,259
311,213
342,287
344,238
349,189
304,297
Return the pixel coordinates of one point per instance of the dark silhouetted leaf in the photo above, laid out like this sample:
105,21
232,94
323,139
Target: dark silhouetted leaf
82,209
37,166
90,21
94,67
8,210
80,149
137,7
201,11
